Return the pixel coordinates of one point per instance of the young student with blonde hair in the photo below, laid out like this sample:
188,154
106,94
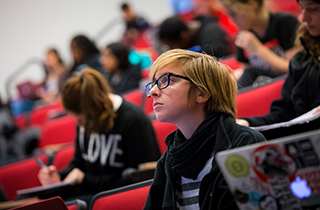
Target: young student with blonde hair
113,137
265,40
301,90
197,94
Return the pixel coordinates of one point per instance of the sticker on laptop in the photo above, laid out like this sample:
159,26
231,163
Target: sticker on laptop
237,166
271,160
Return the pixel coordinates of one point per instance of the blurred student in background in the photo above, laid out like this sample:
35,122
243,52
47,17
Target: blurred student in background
197,94
265,41
55,70
201,35
85,54
120,73
113,137
135,24
301,91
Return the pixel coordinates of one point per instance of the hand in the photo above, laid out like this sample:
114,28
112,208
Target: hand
248,41
242,122
76,175
48,175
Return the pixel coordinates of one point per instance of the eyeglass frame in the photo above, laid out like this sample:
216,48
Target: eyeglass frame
168,82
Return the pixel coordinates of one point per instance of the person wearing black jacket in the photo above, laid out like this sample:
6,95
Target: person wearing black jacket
201,35
301,90
120,73
113,137
197,94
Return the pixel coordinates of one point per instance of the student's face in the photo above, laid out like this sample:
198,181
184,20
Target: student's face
108,60
77,53
310,12
51,59
171,103
244,19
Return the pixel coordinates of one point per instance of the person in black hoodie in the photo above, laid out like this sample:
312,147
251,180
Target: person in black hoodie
197,94
113,136
200,35
120,73
301,91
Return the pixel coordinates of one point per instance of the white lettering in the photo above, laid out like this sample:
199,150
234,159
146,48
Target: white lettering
93,155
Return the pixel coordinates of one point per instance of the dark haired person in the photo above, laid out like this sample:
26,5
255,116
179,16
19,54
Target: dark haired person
120,73
265,40
201,35
84,53
135,24
301,90
113,136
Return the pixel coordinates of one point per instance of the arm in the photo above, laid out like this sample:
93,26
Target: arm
281,110
247,40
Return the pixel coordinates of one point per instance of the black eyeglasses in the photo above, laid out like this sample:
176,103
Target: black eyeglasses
162,82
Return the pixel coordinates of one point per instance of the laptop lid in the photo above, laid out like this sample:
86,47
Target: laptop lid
47,204
280,174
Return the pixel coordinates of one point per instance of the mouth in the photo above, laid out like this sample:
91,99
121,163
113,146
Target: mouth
155,104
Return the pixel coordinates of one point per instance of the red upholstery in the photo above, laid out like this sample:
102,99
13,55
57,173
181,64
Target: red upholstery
162,131
58,131
257,102
63,157
133,199
41,115
232,62
20,175
53,203
148,105
134,97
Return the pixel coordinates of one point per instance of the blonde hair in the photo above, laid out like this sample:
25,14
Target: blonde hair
87,93
241,6
207,74
311,42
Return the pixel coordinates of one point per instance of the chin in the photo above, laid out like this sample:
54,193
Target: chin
161,118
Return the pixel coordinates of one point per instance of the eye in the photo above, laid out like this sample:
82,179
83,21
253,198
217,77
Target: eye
163,80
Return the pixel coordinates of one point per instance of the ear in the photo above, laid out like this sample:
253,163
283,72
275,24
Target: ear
202,96
183,35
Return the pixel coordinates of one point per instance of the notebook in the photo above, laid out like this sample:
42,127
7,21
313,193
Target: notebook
62,189
280,174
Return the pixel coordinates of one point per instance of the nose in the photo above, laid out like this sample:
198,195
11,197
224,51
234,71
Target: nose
155,91
304,16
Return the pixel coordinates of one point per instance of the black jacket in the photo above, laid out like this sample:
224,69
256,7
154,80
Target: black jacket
214,192
300,93
128,80
104,156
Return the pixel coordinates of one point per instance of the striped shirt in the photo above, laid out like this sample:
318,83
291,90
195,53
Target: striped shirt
187,194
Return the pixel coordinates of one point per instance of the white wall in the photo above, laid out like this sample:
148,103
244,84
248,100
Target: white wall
29,27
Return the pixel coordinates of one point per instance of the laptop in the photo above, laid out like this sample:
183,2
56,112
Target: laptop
53,203
280,174
27,90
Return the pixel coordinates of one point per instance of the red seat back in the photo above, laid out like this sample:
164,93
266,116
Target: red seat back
257,102
162,130
63,157
58,131
20,175
134,97
232,62
43,114
131,197
47,204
